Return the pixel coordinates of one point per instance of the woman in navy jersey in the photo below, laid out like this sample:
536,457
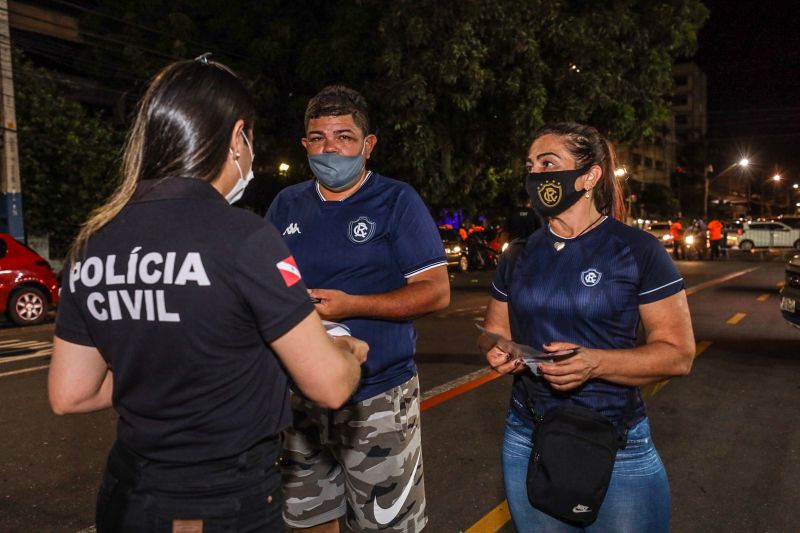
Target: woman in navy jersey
585,280
186,315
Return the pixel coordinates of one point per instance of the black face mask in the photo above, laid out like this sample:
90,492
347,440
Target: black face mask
554,192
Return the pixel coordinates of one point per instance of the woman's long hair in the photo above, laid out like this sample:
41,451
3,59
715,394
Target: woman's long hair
588,147
182,129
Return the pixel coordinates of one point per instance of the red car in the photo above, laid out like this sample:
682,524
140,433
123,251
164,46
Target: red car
27,283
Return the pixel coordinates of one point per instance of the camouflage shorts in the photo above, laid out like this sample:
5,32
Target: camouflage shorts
364,460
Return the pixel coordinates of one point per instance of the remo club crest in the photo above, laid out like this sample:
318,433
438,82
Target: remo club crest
550,193
591,277
360,230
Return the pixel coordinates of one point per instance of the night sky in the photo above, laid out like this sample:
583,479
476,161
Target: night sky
750,52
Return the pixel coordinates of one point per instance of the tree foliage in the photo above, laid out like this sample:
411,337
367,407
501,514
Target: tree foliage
456,87
68,156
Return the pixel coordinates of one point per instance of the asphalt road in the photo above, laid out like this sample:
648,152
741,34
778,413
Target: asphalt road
728,433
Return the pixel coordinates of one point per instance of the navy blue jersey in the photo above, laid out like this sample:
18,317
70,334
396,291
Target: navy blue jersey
369,243
589,294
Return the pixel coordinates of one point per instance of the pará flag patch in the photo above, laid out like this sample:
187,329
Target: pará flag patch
289,271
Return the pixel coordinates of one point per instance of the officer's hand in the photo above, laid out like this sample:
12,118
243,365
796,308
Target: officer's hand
572,372
356,347
334,304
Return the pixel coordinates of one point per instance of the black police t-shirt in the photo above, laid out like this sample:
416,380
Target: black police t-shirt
181,294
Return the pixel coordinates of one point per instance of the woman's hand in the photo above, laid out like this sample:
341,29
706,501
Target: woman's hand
502,362
572,372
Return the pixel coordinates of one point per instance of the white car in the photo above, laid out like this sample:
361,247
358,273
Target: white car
770,234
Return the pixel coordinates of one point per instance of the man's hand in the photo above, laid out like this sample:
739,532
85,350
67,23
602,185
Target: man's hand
334,304
357,347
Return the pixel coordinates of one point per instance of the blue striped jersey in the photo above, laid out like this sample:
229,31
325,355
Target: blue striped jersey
588,294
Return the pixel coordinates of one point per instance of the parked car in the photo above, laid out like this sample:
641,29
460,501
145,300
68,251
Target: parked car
769,234
790,294
27,283
455,249
660,230
792,221
732,231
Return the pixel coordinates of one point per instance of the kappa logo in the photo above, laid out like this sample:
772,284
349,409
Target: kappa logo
591,277
550,193
291,229
581,509
360,230
289,271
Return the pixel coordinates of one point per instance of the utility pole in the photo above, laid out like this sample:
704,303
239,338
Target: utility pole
10,186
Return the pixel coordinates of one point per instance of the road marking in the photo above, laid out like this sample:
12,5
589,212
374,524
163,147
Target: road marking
23,371
493,520
648,391
735,319
717,281
764,297
41,353
457,387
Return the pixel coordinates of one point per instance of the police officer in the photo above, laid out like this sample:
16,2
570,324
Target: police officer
181,312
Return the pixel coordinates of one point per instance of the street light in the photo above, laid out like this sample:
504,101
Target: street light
776,177
743,163
283,168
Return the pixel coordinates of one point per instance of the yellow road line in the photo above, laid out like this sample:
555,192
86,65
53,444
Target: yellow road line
493,520
764,297
648,391
735,319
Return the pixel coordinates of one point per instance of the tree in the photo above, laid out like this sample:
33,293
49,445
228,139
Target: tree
68,157
457,87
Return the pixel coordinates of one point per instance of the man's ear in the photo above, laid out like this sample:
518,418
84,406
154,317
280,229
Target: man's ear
371,140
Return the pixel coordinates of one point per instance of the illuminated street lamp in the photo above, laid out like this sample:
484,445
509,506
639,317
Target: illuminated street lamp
743,163
283,169
776,177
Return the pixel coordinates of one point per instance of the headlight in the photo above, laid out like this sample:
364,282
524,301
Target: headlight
666,237
447,250
456,249
690,239
503,248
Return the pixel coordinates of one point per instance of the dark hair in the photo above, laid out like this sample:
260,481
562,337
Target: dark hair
589,147
182,128
336,101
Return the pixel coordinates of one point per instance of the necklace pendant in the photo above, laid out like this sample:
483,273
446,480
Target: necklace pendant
558,245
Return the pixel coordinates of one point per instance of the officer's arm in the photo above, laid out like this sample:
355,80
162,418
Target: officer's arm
79,380
424,293
327,372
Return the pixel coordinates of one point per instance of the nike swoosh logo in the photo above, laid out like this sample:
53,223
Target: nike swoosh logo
581,509
384,516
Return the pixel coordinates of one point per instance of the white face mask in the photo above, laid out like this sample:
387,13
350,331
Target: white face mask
238,190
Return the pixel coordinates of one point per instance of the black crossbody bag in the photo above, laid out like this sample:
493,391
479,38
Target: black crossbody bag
574,448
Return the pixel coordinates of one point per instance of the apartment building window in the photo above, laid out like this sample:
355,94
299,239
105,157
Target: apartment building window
680,99
681,81
659,164
648,162
637,159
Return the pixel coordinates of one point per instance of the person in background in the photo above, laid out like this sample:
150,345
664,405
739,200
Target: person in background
676,231
700,231
715,235
523,219
185,314
585,281
372,254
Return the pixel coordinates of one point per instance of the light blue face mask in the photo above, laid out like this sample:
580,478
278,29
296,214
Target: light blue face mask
337,172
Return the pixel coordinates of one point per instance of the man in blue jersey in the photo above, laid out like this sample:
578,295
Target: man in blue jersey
371,253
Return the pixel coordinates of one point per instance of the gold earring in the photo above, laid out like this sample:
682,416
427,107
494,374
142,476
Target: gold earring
588,193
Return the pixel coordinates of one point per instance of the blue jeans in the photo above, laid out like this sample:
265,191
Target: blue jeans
638,497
